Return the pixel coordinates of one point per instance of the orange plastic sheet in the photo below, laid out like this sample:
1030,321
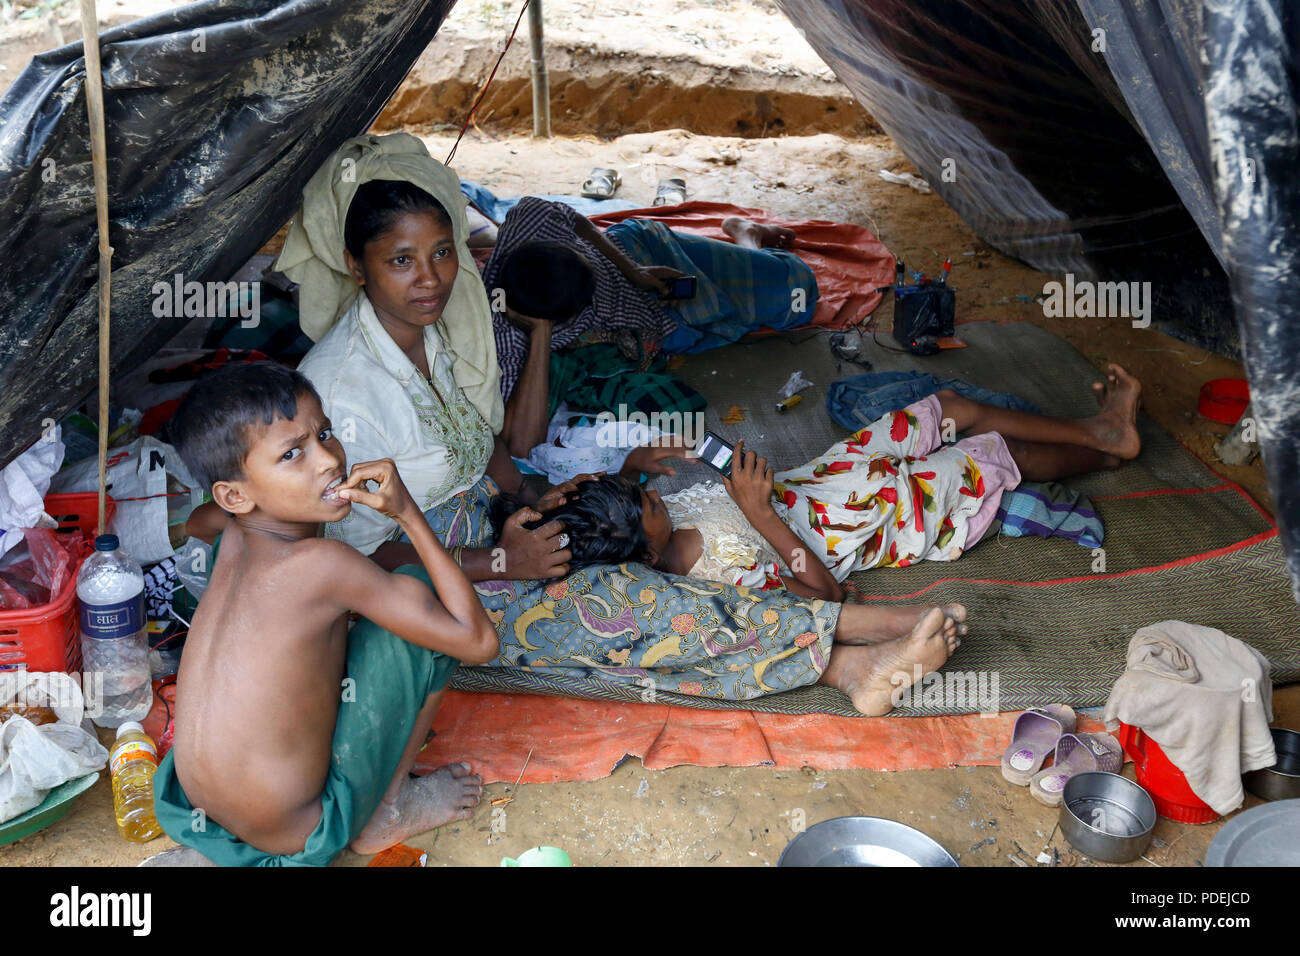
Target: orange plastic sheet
574,739
849,261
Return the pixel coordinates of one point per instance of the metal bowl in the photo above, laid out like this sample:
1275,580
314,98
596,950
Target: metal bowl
1107,817
1282,780
1266,835
864,841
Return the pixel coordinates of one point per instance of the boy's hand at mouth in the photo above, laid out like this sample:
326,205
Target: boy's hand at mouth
750,484
391,498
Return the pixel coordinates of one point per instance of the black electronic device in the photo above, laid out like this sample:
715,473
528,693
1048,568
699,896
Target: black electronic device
716,453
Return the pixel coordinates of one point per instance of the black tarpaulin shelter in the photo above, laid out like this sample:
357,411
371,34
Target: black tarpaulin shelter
1168,155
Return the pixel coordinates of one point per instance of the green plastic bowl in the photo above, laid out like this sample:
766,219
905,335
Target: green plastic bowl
55,805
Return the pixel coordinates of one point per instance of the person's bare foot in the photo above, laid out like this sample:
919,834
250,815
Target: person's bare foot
875,624
449,793
757,235
873,676
1115,426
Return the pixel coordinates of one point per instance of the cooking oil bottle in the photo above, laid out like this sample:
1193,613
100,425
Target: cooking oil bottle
133,760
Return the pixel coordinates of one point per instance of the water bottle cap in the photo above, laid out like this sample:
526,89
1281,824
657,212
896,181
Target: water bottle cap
129,726
106,542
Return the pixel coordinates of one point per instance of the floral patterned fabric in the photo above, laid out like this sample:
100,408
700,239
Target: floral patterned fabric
891,495
631,624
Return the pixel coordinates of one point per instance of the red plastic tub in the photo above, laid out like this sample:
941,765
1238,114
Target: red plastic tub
45,638
1224,399
1157,775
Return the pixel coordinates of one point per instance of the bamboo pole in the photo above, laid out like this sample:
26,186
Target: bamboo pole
99,163
541,81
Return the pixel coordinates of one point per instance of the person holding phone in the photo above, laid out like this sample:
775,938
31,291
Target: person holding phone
557,281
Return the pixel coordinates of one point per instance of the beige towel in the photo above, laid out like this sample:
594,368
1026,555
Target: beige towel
313,257
1205,698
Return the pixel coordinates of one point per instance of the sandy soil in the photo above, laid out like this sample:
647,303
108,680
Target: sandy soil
829,170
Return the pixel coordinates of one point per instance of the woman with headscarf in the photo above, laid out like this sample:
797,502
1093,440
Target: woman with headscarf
405,366
405,361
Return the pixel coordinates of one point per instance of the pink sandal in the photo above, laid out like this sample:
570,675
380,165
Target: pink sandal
1075,753
1033,738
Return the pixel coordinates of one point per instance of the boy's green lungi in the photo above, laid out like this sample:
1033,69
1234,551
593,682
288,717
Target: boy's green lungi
388,682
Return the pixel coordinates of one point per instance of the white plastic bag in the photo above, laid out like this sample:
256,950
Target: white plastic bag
34,759
23,484
137,478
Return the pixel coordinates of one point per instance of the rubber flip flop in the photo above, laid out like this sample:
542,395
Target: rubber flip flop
1033,738
1075,753
670,192
601,183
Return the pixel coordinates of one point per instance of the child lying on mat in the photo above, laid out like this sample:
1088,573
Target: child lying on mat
888,496
295,736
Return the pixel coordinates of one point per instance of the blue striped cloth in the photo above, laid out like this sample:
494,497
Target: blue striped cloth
1048,510
738,289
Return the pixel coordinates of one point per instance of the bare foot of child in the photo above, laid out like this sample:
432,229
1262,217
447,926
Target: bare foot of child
872,675
449,793
757,235
875,624
1115,426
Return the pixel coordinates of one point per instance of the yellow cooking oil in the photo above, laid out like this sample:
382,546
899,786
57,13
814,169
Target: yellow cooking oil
132,761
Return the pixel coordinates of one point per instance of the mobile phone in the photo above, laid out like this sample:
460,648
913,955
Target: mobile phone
683,287
715,453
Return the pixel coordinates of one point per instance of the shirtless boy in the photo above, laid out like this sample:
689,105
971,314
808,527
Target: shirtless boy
295,736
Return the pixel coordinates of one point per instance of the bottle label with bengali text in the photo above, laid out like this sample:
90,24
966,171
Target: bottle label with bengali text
107,621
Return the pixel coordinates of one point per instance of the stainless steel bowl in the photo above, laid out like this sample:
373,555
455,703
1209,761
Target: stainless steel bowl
864,841
1107,817
1282,780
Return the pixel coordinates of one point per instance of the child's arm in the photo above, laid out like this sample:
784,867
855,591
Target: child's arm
650,458
206,522
750,487
454,621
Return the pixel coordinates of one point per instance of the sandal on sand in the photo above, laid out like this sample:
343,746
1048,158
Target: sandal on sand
1033,738
1075,753
601,183
670,192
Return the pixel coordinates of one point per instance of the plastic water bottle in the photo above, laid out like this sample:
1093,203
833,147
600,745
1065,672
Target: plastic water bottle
114,641
132,761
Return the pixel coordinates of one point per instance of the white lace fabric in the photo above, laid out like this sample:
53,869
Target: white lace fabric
732,546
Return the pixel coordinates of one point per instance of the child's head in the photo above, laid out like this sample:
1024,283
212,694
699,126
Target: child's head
256,436
401,247
545,279
609,520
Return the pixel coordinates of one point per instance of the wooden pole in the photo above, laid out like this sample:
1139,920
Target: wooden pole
99,163
541,82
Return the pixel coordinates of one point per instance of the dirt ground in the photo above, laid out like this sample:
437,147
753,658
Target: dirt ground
817,168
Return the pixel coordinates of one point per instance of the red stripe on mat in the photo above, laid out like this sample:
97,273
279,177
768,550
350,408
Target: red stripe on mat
1190,559
575,739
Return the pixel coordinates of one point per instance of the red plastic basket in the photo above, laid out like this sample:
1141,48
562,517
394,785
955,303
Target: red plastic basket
45,638
1157,774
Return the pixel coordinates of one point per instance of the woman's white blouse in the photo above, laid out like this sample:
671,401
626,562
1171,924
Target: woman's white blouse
380,406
